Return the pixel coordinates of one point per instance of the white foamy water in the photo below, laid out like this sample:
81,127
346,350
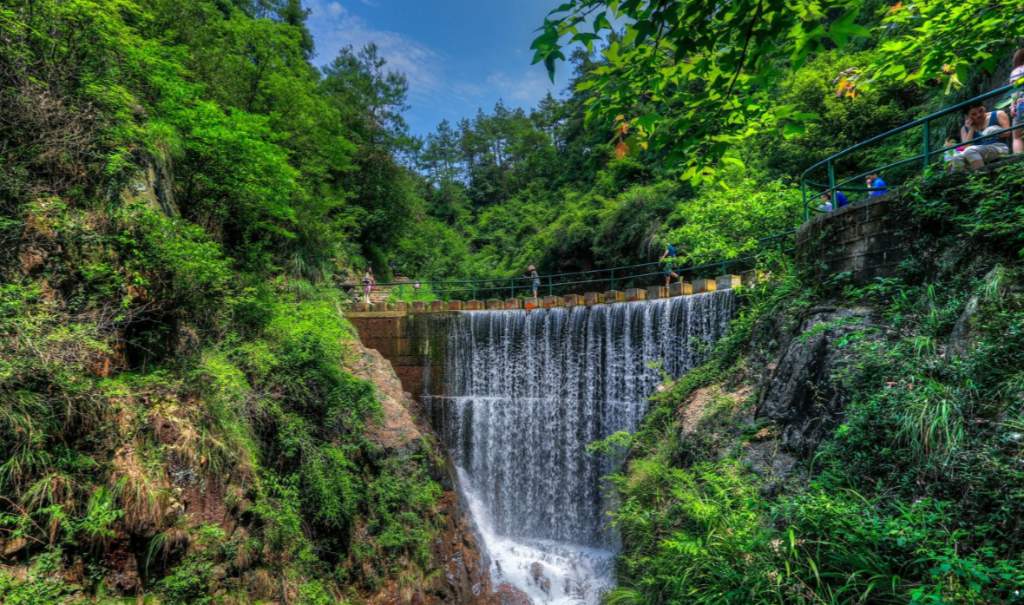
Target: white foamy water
524,394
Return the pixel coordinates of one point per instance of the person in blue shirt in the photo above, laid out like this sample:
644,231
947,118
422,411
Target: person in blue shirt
876,186
667,269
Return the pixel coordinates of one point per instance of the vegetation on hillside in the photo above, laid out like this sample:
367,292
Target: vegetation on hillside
178,186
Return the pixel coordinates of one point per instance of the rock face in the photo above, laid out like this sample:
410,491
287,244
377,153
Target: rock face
464,579
799,394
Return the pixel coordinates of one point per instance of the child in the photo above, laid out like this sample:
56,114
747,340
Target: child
531,272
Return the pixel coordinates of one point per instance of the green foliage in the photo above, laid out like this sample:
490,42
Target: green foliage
692,80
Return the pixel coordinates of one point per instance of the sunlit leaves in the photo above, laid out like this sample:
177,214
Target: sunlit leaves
692,77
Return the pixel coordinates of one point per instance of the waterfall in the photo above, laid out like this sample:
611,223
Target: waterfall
525,392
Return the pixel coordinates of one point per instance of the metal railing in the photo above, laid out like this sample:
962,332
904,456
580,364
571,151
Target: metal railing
923,160
575,282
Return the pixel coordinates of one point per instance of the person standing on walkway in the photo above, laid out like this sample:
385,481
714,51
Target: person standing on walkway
531,272
1017,101
667,264
368,283
876,186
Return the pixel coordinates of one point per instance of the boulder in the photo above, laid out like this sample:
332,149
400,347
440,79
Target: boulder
799,394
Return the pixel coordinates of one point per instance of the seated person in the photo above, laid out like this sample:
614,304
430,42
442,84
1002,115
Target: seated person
981,130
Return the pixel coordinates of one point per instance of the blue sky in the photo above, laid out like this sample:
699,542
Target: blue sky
458,55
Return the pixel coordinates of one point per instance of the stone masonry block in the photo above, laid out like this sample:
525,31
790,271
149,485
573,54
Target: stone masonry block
592,298
703,285
680,288
360,307
614,296
474,305
419,307
574,300
495,304
728,282
379,307
657,292
633,294
455,305
513,303
437,306
551,301
531,303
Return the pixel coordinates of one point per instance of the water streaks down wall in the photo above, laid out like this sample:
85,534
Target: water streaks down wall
525,392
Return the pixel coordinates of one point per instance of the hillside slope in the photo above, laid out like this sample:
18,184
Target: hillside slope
850,443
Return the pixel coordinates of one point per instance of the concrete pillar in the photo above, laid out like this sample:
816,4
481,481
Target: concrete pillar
703,285
551,301
657,292
474,305
574,300
513,303
379,307
531,303
419,307
360,307
634,294
592,298
437,306
613,296
495,304
728,282
680,288
455,305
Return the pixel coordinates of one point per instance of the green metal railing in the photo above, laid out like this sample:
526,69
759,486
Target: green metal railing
575,282
924,159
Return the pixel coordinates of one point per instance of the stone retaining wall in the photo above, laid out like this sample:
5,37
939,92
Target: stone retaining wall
866,239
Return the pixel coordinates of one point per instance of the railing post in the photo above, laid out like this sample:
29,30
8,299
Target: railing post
611,280
803,190
832,181
926,148
551,290
512,287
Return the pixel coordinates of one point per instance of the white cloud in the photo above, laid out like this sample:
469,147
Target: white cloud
335,27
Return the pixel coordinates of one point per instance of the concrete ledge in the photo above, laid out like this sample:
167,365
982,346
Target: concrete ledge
374,314
573,300
703,285
614,296
728,282
657,292
634,294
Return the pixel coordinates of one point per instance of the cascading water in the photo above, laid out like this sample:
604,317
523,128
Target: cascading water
525,392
